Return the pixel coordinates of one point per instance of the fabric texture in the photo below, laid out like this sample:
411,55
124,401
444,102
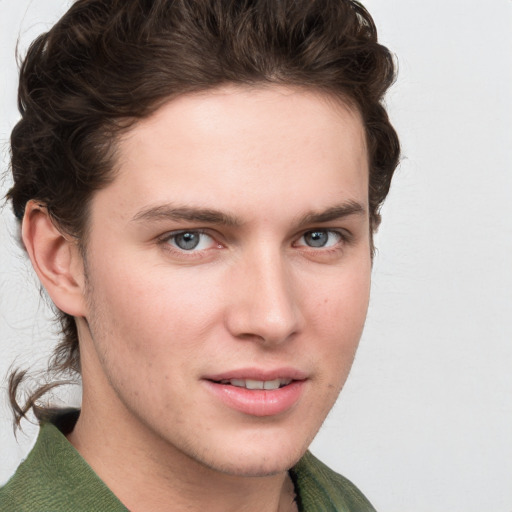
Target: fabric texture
55,478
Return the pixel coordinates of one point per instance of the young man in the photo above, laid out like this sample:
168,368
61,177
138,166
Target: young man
198,184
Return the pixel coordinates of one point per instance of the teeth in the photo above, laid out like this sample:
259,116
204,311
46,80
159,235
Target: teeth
258,384
272,384
239,383
254,384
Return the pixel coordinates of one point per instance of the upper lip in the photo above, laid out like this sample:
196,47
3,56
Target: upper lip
259,374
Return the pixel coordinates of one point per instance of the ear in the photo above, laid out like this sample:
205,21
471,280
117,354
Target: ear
56,260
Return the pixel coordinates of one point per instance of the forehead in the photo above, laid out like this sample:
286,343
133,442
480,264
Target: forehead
237,146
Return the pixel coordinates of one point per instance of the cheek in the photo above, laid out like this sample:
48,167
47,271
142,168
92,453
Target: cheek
151,312
341,302
338,316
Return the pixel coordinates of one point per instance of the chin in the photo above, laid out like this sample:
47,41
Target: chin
255,461
263,467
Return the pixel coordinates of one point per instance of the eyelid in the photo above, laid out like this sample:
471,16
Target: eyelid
343,234
167,237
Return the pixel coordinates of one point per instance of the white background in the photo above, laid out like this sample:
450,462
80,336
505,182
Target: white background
425,422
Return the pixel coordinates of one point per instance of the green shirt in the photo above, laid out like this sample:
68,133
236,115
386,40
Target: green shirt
55,478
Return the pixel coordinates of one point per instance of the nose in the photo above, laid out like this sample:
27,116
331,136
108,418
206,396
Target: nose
264,304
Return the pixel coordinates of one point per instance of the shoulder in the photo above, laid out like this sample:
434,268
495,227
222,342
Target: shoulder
320,489
55,477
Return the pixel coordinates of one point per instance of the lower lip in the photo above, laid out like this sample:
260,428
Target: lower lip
258,402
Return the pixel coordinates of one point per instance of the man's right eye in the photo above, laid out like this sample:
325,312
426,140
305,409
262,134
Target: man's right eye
195,240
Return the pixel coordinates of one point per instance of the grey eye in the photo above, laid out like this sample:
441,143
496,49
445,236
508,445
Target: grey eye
188,240
316,238
320,238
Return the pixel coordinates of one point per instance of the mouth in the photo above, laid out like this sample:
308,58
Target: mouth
258,393
252,384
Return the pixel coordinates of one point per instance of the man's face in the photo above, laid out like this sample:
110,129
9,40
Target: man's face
231,252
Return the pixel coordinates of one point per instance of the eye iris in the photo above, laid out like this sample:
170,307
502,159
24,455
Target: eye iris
316,238
187,241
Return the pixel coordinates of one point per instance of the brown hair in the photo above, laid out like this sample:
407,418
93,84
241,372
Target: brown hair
108,63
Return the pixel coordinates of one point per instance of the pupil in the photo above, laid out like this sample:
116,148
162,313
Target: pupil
316,238
187,241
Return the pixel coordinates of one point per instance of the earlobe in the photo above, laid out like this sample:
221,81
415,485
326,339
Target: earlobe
56,260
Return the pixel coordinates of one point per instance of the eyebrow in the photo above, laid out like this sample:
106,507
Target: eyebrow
185,213
345,209
211,216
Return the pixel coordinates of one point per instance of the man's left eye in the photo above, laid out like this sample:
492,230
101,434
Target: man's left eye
190,240
320,238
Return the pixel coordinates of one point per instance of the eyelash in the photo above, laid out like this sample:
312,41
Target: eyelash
166,240
340,235
343,238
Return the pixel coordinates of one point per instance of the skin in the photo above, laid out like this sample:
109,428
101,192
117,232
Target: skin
156,321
